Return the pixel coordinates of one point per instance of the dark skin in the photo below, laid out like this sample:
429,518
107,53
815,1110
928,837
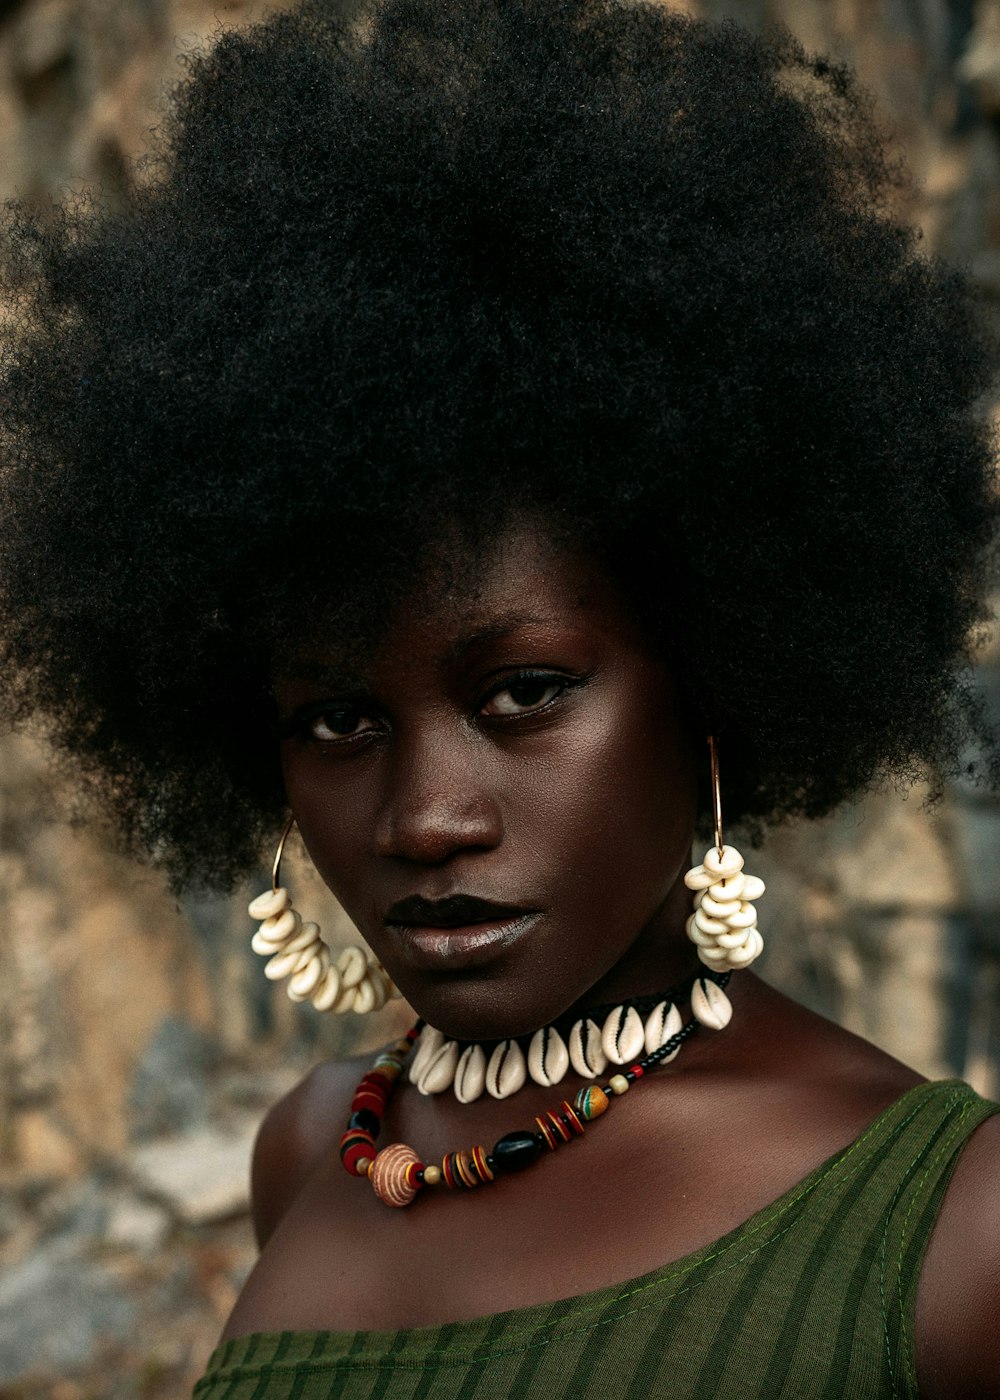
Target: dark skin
526,745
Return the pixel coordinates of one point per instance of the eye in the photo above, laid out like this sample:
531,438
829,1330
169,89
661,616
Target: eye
525,694
335,722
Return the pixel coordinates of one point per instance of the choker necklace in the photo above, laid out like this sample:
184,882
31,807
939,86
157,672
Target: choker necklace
611,1034
396,1172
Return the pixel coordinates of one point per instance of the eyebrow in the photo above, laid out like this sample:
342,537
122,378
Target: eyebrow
504,626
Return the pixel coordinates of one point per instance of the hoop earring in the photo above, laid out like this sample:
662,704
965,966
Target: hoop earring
355,982
724,923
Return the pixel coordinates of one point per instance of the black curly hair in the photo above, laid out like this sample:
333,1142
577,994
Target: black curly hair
448,260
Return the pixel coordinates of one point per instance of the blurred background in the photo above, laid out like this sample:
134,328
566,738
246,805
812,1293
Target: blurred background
139,1040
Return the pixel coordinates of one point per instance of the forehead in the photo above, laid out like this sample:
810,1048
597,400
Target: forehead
523,585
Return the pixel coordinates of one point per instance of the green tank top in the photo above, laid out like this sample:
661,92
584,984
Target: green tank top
812,1298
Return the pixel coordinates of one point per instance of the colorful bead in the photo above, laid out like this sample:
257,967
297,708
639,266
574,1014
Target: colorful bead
591,1102
356,1146
516,1151
571,1118
560,1128
547,1134
367,1121
481,1164
393,1174
458,1172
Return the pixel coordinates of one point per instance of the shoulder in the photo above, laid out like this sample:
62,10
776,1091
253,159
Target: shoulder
958,1303
296,1134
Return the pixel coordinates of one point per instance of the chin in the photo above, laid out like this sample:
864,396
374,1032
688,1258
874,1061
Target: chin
479,1009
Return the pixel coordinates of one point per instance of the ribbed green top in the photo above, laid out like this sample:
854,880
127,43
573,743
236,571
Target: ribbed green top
812,1298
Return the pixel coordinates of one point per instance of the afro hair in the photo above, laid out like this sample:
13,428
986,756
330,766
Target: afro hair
595,259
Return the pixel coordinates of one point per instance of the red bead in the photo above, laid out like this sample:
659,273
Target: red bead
559,1128
636,1071
547,1134
480,1164
356,1145
367,1098
570,1114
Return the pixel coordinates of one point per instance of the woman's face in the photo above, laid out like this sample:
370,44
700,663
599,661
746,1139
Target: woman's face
519,745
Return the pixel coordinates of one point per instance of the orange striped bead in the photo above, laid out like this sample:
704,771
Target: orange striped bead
463,1165
546,1132
480,1164
568,1111
389,1174
559,1127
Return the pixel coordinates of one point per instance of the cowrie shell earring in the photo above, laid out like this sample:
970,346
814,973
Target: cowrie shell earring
723,926
296,950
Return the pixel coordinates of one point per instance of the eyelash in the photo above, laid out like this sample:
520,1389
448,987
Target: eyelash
299,725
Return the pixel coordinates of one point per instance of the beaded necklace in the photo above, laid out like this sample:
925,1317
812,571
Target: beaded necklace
396,1172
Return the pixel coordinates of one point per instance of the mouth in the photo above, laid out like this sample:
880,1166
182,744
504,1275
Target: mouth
457,932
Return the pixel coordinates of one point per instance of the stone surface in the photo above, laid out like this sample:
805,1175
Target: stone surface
57,1310
169,1089
202,1175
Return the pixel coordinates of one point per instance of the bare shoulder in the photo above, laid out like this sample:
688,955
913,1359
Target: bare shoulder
958,1304
297,1133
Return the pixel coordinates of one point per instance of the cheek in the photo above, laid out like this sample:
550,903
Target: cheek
329,817
615,804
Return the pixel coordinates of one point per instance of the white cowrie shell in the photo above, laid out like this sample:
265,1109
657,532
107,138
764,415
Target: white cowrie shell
744,917
753,888
710,1005
623,1036
470,1076
506,1071
440,1071
365,997
586,1053
708,924
758,941
717,908
306,934
283,965
548,1058
306,980
328,990
730,888
281,926
345,1001
661,1023
714,957
739,938
271,902
721,866
266,947
352,966
742,957
429,1043
698,878
704,940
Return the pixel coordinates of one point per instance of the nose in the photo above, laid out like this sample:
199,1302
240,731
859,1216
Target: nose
439,801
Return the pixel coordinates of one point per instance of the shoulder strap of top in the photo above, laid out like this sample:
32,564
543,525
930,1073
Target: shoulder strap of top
922,1161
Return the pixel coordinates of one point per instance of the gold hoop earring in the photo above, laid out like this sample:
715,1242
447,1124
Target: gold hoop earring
296,950
723,926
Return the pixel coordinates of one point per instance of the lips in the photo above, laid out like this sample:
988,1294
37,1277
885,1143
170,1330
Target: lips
459,932
456,911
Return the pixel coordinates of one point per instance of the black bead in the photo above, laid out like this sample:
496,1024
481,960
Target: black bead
367,1121
516,1151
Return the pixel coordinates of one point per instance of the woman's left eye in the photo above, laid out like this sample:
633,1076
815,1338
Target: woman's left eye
524,694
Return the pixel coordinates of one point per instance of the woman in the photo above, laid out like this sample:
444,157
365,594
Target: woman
479,409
